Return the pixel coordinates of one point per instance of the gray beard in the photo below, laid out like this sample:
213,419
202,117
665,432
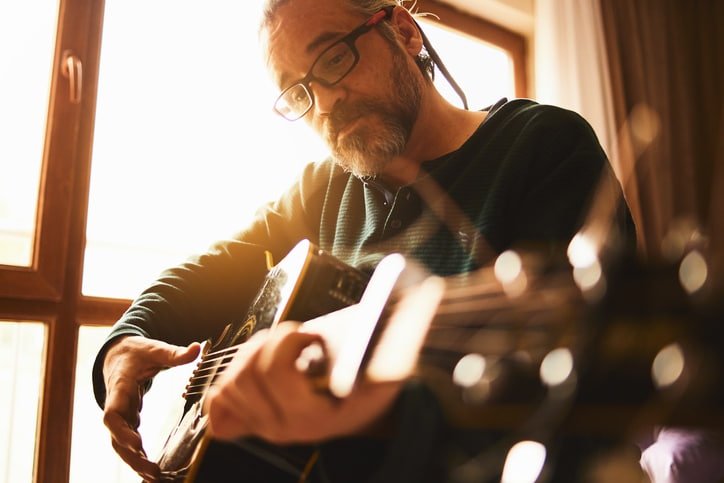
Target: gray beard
366,154
367,151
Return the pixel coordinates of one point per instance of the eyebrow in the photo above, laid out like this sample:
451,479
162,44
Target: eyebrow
320,39
323,38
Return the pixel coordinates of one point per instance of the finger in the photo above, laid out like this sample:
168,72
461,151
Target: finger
168,355
289,389
122,433
239,397
277,369
123,397
228,419
284,347
138,461
141,358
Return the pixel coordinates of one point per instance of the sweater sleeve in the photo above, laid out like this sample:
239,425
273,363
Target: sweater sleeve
195,300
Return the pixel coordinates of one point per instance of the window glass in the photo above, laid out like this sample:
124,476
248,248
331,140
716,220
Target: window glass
484,71
27,42
186,145
162,408
22,358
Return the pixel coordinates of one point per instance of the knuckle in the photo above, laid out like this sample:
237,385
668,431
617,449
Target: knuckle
107,419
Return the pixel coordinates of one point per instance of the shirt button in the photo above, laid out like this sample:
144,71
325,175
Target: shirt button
395,224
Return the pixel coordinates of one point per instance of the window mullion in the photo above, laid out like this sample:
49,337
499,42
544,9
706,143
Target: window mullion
62,218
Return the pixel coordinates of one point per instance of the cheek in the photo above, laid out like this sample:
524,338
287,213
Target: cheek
315,122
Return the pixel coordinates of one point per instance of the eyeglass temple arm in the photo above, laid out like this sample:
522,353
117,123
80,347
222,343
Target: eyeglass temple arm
438,62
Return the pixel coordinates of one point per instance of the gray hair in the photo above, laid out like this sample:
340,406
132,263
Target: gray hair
364,8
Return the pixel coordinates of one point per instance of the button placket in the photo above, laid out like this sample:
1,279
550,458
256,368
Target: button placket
394,217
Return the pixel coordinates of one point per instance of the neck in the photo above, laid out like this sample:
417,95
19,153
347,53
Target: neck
440,128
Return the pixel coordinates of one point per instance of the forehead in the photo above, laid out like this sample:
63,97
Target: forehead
300,30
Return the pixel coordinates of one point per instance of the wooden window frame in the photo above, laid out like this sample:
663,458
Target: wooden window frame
486,31
49,291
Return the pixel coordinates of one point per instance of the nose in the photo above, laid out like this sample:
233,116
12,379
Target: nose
326,97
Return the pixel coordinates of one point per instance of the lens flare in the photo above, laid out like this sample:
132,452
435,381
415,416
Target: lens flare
524,462
469,370
508,267
668,366
693,272
556,367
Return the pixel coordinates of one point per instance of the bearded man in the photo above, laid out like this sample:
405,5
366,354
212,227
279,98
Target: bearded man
409,173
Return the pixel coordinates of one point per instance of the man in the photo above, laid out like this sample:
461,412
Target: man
409,173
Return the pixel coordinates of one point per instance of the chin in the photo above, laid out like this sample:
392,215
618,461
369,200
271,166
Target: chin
362,167
365,157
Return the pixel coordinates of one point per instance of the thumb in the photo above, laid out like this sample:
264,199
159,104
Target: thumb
177,355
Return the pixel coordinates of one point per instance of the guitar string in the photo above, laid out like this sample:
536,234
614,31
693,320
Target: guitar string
444,351
445,312
480,284
453,340
479,308
486,298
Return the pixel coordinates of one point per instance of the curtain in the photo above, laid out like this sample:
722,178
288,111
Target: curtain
572,71
571,68
666,61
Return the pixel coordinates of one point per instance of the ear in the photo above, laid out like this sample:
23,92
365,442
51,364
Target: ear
404,24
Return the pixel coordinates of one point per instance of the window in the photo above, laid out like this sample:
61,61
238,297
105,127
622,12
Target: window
484,71
22,356
164,103
162,408
26,43
207,141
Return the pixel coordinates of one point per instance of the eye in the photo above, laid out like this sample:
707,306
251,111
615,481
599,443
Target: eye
299,96
337,59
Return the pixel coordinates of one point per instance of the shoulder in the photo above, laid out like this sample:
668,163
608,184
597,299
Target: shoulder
544,130
535,115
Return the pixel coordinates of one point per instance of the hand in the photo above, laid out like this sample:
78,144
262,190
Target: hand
128,365
263,394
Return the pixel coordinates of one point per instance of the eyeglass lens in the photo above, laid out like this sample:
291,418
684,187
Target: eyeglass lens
335,63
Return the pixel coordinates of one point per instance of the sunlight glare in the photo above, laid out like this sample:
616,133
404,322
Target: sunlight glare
524,462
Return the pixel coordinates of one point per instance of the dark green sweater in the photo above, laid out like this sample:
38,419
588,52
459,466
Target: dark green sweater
525,176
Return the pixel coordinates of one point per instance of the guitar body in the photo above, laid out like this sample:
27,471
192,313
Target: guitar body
393,325
307,283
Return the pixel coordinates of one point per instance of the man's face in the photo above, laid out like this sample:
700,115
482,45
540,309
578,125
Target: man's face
366,118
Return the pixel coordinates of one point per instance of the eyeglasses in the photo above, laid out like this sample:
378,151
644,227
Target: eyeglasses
328,69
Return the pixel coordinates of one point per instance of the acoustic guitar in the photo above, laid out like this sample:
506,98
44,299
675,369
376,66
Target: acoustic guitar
518,345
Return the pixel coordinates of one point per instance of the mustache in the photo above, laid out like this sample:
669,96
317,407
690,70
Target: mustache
343,115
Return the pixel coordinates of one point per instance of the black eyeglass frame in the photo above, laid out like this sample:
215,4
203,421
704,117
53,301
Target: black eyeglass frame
348,39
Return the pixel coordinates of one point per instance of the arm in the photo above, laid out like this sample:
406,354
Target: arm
188,303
